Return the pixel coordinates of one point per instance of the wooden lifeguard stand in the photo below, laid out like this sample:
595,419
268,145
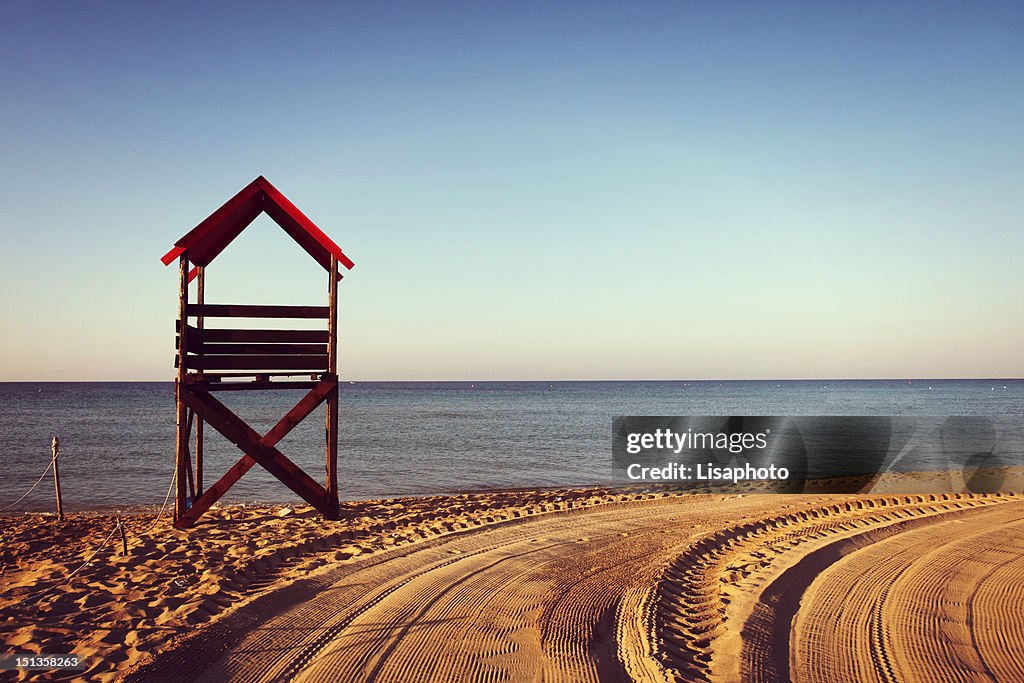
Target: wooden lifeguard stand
210,360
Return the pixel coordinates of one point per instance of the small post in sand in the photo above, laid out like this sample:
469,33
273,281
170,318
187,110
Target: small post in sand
124,539
55,447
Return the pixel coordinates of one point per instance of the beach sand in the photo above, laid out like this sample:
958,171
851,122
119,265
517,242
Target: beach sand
561,585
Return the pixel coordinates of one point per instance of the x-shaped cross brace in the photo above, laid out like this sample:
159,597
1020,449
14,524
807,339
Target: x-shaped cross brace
259,449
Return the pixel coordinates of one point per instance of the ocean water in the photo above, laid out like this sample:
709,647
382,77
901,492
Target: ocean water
411,438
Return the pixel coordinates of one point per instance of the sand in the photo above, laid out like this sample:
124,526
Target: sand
567,585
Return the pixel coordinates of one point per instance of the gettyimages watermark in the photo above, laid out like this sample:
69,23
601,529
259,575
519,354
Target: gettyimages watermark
840,454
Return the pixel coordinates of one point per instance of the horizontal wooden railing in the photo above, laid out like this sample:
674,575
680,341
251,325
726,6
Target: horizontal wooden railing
205,348
259,350
317,363
257,336
249,311
258,384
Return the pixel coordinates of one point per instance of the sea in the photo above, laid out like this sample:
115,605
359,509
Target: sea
412,438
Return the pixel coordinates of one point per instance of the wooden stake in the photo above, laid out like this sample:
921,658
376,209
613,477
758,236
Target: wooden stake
124,539
55,448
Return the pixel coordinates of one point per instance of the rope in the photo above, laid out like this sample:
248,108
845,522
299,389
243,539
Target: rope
174,477
120,525
84,564
15,503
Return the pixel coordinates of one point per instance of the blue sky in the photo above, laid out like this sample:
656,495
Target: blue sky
530,191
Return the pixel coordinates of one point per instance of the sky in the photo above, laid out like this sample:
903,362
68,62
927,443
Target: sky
581,190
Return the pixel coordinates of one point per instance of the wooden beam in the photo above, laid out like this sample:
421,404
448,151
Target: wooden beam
209,238
188,456
298,413
242,435
332,368
182,435
215,492
260,336
199,347
317,363
253,386
219,375
303,408
200,299
251,311
300,228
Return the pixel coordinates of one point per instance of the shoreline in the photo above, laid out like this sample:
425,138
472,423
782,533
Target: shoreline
895,481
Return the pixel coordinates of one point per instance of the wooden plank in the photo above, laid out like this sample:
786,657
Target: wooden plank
199,457
332,317
191,478
217,376
181,434
258,349
287,215
264,336
205,243
200,299
332,446
322,391
243,436
332,368
243,362
229,207
257,311
252,386
215,492
174,253
298,413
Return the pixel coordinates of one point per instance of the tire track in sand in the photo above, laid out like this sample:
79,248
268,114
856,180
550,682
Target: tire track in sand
929,620
723,608
549,612
670,588
533,599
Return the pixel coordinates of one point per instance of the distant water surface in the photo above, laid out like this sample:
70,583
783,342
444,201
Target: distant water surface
401,438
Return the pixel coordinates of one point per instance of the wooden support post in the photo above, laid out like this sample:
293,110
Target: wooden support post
200,299
332,398
181,441
188,457
55,448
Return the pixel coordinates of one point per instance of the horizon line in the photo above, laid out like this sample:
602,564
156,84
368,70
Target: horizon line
506,381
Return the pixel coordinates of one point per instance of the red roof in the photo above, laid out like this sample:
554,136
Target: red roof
208,239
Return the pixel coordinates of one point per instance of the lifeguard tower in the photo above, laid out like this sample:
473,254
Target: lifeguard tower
211,360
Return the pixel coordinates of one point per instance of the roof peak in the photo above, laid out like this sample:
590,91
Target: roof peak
210,237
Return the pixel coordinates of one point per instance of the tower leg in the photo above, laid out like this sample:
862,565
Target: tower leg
332,447
332,399
181,456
